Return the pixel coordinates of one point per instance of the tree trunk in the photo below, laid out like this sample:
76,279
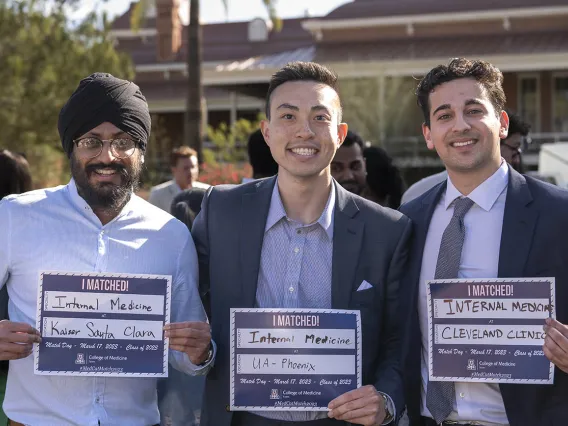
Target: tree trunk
193,115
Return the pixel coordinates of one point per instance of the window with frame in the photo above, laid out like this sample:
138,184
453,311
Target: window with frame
529,100
560,104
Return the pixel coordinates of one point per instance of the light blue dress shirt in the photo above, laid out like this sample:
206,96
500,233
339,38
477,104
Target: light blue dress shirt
480,402
295,270
54,229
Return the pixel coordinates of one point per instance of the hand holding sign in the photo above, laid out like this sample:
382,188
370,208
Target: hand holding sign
363,406
191,337
16,339
556,343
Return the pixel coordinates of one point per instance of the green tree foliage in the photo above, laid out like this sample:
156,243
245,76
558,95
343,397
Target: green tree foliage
362,98
42,59
230,142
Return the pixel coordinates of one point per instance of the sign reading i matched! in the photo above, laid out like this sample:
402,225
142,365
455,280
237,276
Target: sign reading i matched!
489,330
102,325
293,359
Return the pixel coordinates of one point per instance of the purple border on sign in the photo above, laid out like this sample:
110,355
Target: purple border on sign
109,357
308,392
472,362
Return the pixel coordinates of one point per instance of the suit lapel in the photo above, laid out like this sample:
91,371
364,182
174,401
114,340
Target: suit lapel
347,240
254,212
421,218
519,221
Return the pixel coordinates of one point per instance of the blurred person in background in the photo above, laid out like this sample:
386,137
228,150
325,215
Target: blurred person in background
185,171
176,409
260,157
15,178
187,204
348,165
368,172
384,181
511,146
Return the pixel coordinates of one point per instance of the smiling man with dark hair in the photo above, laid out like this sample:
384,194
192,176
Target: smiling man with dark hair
484,221
299,240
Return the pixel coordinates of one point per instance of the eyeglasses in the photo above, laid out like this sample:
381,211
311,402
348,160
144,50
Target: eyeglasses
514,149
91,147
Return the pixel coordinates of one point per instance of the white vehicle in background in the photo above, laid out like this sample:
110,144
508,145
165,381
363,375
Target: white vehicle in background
553,163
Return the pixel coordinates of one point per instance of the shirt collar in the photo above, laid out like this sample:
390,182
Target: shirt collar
176,187
486,194
276,211
82,205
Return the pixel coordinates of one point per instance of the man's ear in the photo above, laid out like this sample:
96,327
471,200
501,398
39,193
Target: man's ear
504,129
341,133
427,136
265,129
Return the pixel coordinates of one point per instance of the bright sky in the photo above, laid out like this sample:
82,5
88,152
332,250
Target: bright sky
239,10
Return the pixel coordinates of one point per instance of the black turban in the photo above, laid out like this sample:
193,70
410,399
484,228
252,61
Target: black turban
100,98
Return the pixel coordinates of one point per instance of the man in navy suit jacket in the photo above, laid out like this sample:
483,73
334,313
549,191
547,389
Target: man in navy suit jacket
517,227
252,254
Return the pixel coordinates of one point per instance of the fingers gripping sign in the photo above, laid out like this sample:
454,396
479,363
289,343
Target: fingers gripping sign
362,406
556,343
191,337
17,339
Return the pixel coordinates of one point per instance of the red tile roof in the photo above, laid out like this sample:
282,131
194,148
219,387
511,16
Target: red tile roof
420,48
385,8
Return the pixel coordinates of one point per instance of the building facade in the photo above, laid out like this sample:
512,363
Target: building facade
378,47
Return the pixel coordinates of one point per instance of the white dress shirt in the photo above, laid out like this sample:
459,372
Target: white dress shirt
163,195
481,402
54,229
423,185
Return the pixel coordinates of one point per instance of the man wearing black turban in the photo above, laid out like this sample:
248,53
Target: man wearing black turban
104,107
97,226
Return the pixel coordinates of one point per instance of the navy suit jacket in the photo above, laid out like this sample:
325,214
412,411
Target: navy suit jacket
369,243
534,243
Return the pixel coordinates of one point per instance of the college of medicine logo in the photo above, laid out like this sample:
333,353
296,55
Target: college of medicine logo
274,394
471,365
80,359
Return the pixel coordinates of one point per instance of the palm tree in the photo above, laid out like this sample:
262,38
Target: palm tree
193,131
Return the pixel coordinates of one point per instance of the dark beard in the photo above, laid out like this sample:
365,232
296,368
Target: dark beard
352,186
107,196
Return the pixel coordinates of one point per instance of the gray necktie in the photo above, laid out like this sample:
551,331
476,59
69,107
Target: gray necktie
440,395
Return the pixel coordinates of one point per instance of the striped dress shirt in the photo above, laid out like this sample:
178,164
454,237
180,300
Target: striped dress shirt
55,229
295,271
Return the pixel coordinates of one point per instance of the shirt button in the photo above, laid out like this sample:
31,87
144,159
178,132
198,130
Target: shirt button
462,395
291,289
296,250
299,231
97,400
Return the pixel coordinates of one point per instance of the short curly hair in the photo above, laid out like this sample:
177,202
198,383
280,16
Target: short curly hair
488,75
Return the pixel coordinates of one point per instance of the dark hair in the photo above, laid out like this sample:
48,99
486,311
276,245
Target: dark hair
302,71
181,152
353,138
383,177
15,176
517,125
260,157
483,72
187,205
